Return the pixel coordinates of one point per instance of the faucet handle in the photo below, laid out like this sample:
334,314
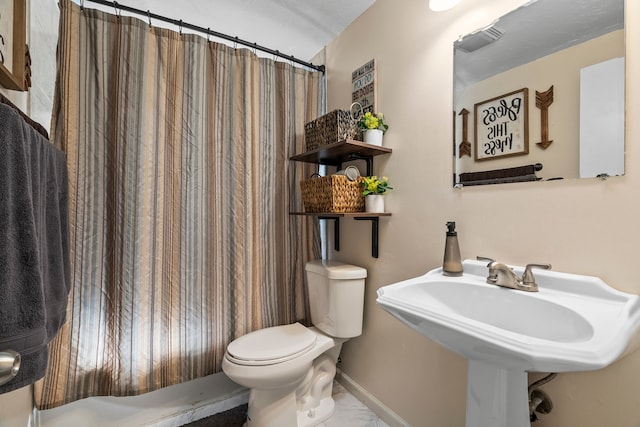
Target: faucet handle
484,258
527,276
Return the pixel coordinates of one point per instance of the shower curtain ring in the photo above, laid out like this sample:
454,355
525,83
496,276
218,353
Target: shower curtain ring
149,17
181,27
81,5
235,43
208,33
115,6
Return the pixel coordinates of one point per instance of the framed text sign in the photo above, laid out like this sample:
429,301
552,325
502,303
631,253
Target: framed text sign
502,126
12,44
363,82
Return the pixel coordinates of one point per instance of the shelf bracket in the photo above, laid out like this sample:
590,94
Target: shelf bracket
374,232
336,231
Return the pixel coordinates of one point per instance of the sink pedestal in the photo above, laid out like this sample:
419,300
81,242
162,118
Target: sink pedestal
496,397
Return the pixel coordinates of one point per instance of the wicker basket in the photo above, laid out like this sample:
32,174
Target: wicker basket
332,194
335,126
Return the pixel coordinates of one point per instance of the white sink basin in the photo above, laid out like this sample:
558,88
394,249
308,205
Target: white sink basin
574,323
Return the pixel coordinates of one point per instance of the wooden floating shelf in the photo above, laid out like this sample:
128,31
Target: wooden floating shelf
337,153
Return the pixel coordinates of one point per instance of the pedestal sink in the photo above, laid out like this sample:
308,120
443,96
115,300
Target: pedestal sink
574,323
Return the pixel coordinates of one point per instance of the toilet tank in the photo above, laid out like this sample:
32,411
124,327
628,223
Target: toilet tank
336,297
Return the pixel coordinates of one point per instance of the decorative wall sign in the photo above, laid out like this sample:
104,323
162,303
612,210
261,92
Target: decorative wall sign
363,81
12,44
543,101
502,126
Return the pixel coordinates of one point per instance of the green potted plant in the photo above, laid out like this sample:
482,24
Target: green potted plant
374,189
372,127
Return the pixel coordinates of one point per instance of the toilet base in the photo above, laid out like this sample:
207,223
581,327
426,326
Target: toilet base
269,410
308,405
272,408
315,416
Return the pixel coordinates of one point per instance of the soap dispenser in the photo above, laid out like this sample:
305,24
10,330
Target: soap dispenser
452,264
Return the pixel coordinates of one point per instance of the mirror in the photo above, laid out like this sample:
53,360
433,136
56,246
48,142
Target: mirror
539,94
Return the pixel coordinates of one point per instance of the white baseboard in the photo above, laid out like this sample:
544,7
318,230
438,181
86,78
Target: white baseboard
370,401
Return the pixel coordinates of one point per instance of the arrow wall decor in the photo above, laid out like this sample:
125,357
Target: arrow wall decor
543,101
464,149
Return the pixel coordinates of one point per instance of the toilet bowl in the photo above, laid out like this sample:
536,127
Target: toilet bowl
289,369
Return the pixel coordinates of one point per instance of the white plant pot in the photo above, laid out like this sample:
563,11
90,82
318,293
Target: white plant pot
373,136
374,203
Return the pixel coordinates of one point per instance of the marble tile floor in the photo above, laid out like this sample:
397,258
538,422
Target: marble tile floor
350,412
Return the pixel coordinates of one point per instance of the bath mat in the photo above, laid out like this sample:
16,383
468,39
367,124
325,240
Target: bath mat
234,417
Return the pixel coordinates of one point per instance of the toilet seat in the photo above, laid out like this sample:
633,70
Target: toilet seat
270,346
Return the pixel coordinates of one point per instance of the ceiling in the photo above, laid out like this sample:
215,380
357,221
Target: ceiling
535,30
294,27
303,27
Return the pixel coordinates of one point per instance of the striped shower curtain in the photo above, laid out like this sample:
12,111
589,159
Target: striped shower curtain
180,193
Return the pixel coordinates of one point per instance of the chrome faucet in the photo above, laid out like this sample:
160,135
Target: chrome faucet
501,274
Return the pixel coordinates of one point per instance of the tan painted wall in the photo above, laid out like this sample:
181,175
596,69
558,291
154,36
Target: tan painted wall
583,226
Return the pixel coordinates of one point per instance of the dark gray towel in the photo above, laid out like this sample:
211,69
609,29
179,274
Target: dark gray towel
34,244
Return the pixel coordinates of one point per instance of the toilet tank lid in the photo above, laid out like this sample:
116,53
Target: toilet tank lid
336,269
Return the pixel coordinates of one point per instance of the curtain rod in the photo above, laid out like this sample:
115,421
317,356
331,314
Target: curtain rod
180,24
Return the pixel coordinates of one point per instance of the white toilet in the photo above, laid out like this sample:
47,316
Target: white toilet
290,368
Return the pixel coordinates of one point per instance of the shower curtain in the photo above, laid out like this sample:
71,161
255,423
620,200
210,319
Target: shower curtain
180,193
